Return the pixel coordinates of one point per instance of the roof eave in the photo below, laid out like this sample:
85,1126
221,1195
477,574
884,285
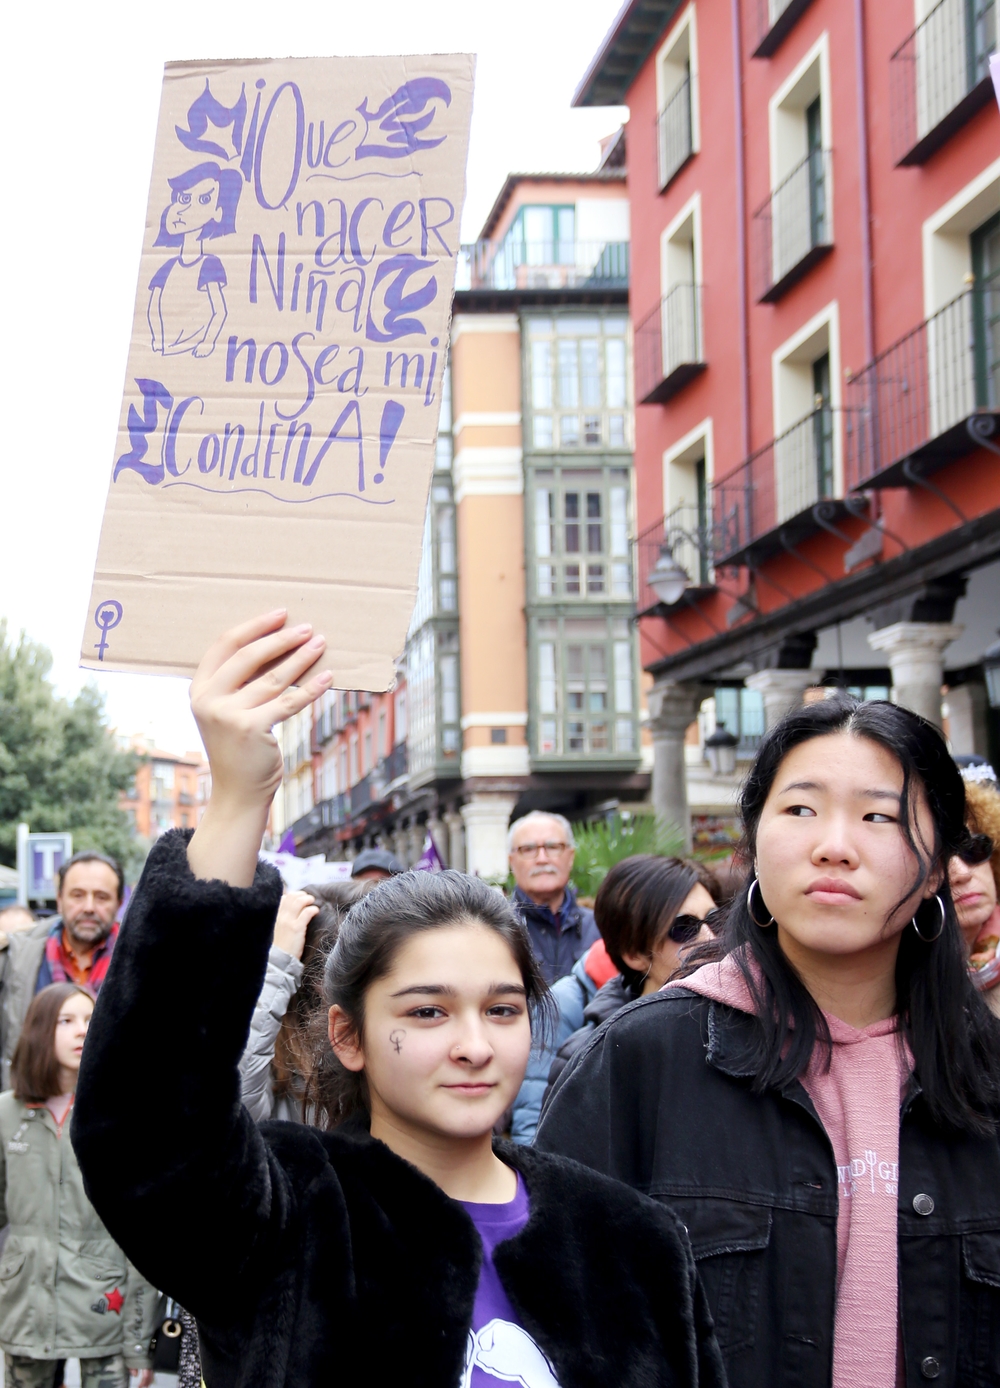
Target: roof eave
628,44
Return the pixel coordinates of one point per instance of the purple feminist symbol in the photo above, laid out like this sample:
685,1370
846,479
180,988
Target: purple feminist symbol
108,615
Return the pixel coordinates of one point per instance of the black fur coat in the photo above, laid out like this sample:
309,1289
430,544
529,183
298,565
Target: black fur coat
313,1259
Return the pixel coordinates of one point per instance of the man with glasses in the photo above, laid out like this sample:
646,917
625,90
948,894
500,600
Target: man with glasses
541,852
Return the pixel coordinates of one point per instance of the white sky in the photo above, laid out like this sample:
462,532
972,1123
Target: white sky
78,105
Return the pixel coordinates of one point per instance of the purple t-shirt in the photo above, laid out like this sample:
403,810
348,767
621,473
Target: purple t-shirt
500,1350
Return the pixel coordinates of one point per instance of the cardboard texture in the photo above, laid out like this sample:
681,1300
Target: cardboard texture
280,411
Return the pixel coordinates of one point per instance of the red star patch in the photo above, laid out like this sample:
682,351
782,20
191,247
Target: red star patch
115,1301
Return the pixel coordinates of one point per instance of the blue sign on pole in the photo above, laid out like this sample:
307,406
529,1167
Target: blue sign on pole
45,855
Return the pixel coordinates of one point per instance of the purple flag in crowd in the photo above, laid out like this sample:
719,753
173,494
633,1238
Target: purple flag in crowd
430,858
287,844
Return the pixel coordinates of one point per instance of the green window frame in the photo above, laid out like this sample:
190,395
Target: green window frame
742,711
579,528
585,690
985,246
578,384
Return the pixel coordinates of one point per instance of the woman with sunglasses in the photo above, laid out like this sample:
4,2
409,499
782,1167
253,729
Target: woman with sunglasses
820,1102
647,910
974,875
650,911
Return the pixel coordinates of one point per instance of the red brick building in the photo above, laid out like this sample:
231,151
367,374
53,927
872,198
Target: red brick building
169,791
815,296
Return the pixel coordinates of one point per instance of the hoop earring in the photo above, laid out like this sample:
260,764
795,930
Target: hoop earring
929,939
761,925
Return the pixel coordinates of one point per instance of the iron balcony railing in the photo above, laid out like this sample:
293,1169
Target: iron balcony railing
513,264
939,76
774,20
777,484
396,763
668,345
929,398
307,824
674,145
687,535
793,229
361,795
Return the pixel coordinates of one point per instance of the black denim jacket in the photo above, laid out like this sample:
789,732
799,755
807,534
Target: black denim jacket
659,1098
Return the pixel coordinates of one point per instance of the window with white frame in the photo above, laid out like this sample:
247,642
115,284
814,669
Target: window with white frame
801,204
687,476
680,273
579,532
433,701
677,98
584,690
399,715
578,383
807,449
445,450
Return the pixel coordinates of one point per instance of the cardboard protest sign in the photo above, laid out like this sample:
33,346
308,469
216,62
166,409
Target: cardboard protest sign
291,322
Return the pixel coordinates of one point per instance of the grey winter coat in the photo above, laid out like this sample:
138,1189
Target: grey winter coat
66,1290
20,960
281,981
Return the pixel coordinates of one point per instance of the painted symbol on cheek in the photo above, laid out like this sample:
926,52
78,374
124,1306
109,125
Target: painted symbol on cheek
396,1039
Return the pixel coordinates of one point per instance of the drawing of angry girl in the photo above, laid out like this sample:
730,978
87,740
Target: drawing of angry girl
187,307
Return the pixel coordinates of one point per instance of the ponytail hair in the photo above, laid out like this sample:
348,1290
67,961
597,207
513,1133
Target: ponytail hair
371,935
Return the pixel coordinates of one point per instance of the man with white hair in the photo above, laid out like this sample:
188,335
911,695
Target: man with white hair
541,852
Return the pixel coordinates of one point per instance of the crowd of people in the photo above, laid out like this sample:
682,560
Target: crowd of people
709,1131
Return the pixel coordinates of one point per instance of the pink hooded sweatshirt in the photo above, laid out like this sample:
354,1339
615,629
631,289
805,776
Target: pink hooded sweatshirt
858,1101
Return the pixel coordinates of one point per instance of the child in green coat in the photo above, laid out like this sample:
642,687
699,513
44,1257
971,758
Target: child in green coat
66,1290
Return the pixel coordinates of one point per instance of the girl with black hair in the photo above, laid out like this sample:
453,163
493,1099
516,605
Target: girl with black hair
397,1244
819,1099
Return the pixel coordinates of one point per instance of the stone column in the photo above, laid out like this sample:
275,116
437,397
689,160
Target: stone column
399,843
781,691
415,842
915,651
968,720
673,707
456,839
486,819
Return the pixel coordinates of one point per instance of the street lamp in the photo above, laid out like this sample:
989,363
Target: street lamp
667,579
991,669
721,750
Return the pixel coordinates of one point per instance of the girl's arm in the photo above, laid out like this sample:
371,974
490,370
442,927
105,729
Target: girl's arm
284,974
219,314
171,1160
154,320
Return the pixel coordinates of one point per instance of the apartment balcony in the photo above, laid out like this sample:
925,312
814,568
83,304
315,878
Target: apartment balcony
674,143
782,493
185,798
793,229
939,76
685,535
668,346
396,763
363,795
520,265
308,824
775,19
930,398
